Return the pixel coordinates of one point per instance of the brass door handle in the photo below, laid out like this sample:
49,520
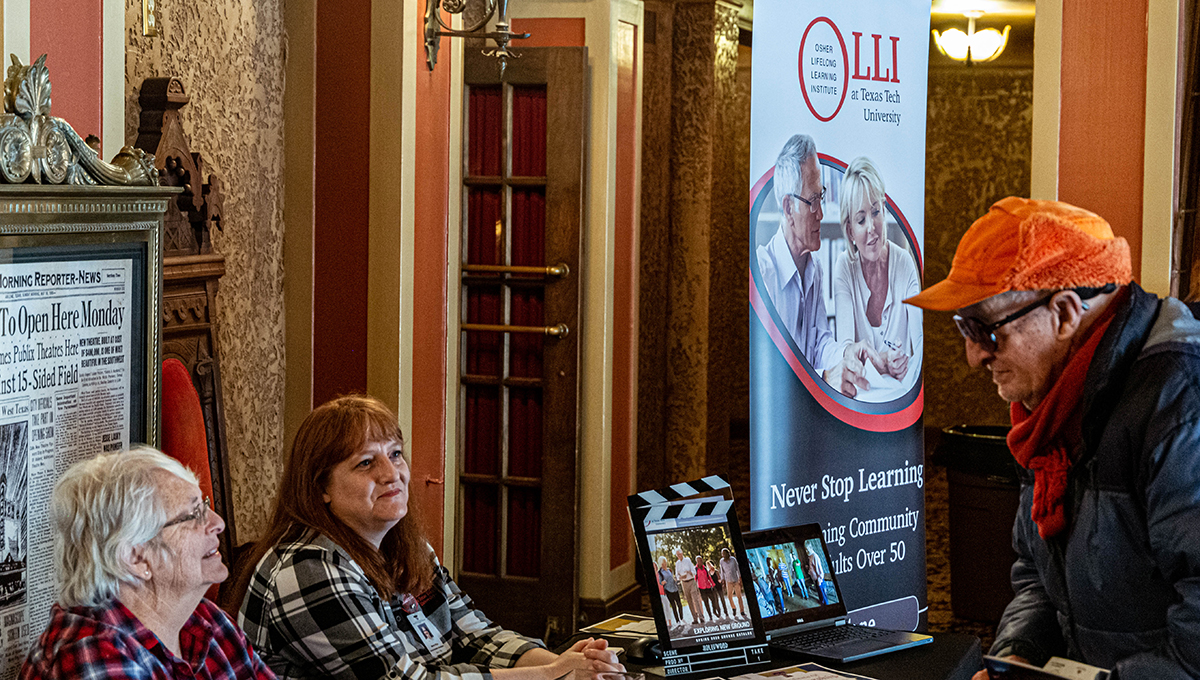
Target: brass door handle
556,331
560,269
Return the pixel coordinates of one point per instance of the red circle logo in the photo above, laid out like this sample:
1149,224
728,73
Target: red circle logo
819,69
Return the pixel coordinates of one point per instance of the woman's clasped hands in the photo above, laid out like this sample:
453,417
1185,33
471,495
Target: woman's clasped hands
590,654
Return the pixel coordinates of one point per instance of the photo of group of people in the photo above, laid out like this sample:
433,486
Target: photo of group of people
14,454
838,282
789,578
700,583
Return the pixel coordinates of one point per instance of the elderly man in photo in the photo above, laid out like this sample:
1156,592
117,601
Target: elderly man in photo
685,573
793,279
1103,379
731,574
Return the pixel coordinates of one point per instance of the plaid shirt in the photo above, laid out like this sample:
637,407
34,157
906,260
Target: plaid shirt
314,613
109,642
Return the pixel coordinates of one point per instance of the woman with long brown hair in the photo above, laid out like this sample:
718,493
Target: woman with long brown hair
344,585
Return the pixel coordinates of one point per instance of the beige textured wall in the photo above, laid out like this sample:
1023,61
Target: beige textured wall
977,150
229,54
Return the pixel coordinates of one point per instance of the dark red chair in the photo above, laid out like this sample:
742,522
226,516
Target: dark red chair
184,437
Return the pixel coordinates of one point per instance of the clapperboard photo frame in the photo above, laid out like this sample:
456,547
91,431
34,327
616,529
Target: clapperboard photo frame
672,527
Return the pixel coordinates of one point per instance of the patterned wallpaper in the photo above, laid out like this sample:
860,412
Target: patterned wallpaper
229,54
977,151
653,237
694,84
692,301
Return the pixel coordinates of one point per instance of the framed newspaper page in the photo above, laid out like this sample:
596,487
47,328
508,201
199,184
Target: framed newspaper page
80,291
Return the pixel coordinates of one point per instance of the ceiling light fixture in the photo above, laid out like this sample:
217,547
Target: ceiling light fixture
972,46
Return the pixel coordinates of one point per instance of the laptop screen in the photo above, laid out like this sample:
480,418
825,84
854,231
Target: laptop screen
792,579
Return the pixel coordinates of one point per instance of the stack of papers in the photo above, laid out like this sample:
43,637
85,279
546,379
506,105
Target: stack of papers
624,625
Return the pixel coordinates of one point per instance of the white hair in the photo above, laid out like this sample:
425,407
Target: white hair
861,179
794,154
102,508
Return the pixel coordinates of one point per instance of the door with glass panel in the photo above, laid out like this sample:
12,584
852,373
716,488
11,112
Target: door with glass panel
522,210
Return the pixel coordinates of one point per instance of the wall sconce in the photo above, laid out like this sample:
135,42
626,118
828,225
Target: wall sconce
972,46
435,28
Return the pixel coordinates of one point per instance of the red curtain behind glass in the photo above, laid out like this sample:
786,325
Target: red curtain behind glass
485,352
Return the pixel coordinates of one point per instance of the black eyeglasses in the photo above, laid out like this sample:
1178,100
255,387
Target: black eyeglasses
984,334
198,514
813,202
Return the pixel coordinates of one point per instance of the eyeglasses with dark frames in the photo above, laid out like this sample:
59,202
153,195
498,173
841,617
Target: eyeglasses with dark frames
198,514
813,202
984,334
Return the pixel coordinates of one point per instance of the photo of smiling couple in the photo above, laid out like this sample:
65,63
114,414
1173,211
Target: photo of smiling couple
839,290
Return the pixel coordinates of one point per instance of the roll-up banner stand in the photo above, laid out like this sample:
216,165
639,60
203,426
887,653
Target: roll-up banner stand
837,158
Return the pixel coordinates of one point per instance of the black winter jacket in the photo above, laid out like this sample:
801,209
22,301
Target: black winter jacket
1120,587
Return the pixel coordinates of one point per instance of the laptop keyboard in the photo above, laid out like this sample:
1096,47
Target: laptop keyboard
824,638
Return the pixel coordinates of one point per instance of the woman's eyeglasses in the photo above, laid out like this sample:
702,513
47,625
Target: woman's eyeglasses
198,514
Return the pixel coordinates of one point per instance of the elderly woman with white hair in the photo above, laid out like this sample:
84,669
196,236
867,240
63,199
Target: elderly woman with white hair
872,278
135,550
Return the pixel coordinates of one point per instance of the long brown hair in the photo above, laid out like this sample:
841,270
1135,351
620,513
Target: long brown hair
330,434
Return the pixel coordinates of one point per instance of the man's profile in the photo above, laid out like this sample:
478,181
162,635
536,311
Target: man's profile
1103,381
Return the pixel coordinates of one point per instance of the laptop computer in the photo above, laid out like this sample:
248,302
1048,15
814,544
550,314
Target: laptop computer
801,604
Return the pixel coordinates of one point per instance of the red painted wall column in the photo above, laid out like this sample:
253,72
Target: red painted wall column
70,33
1102,119
429,326
341,195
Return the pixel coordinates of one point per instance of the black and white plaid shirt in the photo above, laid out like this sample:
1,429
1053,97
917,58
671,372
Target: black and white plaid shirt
311,612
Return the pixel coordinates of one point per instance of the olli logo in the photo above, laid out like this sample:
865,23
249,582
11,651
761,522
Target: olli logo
824,65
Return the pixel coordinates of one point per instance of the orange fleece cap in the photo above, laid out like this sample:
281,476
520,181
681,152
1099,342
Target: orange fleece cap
1023,244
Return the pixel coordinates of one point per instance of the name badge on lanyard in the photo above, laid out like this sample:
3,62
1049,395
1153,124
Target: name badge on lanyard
429,636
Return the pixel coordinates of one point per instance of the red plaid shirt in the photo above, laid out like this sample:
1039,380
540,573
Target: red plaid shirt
109,642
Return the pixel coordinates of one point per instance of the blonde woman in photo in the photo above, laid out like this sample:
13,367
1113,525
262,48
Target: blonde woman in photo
871,278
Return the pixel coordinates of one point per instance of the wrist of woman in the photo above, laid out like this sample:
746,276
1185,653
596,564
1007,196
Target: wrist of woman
536,657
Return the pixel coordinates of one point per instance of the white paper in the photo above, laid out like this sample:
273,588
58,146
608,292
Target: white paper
1073,669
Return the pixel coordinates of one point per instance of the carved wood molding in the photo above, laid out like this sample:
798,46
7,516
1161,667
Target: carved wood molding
200,207
184,310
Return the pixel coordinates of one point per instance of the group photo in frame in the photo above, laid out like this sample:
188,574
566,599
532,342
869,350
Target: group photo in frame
691,554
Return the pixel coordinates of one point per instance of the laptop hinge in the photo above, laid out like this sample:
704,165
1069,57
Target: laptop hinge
800,628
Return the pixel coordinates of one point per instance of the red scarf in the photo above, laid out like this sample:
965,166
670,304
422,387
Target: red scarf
1041,440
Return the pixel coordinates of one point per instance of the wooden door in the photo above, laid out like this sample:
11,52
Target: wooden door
517,510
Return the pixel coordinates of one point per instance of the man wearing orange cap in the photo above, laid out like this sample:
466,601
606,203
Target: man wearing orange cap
1104,385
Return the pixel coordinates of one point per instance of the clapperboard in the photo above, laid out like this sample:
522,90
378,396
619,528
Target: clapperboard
680,530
